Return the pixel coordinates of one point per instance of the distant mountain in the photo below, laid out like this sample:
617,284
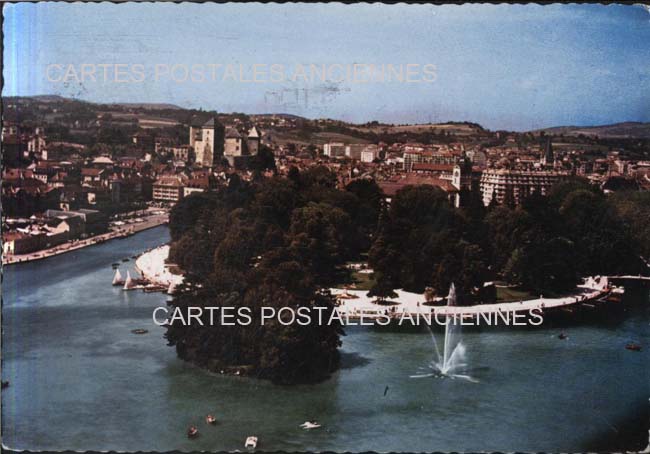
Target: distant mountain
634,130
279,115
135,105
629,129
148,106
40,98
49,98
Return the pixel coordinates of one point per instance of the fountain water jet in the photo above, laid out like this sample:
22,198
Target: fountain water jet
452,363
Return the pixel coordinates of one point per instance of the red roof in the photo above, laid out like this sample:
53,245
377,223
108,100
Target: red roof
390,188
173,181
202,182
10,236
11,140
91,172
429,167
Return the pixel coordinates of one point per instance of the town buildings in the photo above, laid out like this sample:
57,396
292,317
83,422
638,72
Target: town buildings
91,166
512,186
169,188
207,141
54,227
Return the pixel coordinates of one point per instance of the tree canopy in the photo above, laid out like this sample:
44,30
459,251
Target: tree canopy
273,242
281,241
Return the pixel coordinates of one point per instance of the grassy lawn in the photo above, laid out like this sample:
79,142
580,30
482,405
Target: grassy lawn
175,269
509,295
363,281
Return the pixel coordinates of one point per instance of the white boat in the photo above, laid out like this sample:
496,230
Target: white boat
251,442
128,283
307,425
117,279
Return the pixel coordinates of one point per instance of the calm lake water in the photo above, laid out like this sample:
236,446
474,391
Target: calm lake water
80,380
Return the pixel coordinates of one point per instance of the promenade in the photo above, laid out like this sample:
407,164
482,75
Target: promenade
149,221
355,303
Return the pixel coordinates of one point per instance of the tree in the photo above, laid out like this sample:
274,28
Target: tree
266,243
634,210
382,288
320,234
264,160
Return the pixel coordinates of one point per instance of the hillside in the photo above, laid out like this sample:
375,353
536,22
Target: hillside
285,127
148,106
630,129
456,128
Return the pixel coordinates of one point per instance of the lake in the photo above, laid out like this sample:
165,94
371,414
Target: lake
81,380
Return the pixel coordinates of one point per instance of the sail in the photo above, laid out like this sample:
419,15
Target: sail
117,279
128,283
171,288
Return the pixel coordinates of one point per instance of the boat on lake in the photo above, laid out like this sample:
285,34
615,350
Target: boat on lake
151,288
117,279
251,442
308,425
129,283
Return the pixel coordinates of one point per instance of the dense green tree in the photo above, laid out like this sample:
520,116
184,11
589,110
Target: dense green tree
184,216
265,243
634,210
279,242
263,160
544,266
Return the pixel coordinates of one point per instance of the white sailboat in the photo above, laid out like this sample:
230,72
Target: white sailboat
128,283
117,279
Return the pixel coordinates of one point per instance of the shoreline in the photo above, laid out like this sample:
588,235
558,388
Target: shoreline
151,265
149,223
356,304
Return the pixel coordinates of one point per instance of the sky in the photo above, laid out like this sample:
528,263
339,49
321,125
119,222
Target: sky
515,67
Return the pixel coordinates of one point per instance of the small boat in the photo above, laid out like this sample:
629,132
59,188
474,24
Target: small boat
307,425
125,260
128,283
251,442
115,265
139,331
117,279
5,384
192,432
633,346
211,420
616,295
562,336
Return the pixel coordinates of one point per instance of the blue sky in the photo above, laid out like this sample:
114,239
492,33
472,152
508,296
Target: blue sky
505,66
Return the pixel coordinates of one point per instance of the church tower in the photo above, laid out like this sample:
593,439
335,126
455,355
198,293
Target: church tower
548,157
207,141
253,139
